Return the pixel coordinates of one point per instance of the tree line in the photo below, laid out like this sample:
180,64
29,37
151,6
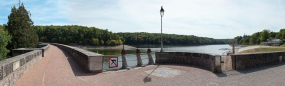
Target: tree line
168,39
95,36
77,34
258,37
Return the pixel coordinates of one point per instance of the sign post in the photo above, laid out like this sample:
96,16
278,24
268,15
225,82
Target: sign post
113,62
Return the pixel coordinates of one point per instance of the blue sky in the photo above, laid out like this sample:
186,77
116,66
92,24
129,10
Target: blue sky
206,18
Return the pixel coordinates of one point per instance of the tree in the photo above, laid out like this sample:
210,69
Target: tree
102,42
254,38
20,27
95,41
4,40
264,35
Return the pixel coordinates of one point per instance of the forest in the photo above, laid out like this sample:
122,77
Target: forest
95,36
258,37
77,34
168,39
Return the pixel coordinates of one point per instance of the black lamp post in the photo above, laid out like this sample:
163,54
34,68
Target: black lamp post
161,14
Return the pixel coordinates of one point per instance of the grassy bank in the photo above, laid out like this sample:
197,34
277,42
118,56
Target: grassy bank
271,49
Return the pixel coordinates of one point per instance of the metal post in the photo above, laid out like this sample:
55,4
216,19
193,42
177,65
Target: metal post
161,37
139,60
150,59
124,42
124,60
137,42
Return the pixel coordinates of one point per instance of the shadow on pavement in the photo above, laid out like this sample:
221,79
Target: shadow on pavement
76,67
221,74
147,78
217,74
255,69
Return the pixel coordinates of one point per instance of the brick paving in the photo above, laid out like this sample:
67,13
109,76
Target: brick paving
58,68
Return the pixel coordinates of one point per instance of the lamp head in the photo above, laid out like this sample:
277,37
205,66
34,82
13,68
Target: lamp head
161,11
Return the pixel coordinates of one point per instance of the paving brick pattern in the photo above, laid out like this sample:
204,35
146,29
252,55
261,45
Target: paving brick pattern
58,68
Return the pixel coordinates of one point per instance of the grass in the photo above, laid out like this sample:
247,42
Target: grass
272,49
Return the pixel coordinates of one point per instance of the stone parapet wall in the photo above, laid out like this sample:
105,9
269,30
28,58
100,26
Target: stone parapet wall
91,61
250,60
23,59
208,61
13,68
43,47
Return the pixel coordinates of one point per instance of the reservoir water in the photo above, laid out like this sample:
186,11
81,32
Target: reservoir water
132,59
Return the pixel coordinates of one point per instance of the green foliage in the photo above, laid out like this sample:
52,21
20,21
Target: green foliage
113,42
259,37
102,42
20,27
54,40
76,34
95,36
254,39
95,41
4,39
168,39
264,35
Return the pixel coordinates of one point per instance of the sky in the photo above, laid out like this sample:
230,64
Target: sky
218,19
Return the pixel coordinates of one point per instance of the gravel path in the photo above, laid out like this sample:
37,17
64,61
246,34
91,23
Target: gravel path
58,68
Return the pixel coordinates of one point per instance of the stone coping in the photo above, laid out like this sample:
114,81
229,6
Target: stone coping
17,58
43,46
85,52
91,61
46,46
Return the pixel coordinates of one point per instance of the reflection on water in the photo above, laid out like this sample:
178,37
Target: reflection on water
213,49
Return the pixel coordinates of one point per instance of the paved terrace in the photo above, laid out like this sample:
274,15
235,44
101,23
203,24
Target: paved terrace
58,68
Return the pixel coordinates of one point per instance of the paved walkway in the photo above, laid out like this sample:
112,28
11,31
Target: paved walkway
58,68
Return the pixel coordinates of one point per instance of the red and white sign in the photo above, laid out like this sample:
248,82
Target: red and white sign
113,62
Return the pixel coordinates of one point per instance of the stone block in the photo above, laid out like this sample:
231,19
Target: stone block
16,65
1,72
96,63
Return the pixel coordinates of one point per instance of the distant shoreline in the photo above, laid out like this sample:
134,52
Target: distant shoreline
116,47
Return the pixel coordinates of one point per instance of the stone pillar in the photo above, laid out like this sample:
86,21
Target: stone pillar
233,48
139,59
150,61
218,66
124,60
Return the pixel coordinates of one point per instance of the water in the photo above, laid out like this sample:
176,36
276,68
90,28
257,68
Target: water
132,59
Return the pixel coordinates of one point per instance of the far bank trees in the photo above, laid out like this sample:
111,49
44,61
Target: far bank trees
77,34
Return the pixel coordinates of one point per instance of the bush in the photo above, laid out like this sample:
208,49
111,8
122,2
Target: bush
95,41
4,40
102,42
113,42
54,40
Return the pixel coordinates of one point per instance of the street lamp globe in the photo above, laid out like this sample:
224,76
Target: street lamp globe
161,11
